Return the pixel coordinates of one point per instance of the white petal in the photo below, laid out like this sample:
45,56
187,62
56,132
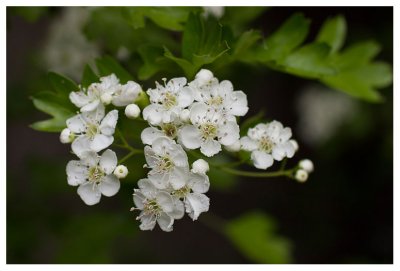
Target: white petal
185,97
100,142
239,105
198,112
147,188
150,134
81,145
261,159
278,152
89,193
198,203
129,93
79,98
138,199
150,156
178,177
90,158
110,185
176,84
248,144
225,88
165,201
190,137
91,106
178,211
147,222
285,134
289,149
199,183
179,156
161,145
210,147
108,161
76,173
153,113
159,180
165,222
228,133
107,126
76,124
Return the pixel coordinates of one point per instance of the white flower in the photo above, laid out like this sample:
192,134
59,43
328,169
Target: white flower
307,165
93,130
121,171
156,206
126,94
132,111
168,162
215,11
185,115
94,175
268,142
90,100
167,101
219,95
295,144
169,130
209,130
235,147
66,136
193,194
301,175
200,166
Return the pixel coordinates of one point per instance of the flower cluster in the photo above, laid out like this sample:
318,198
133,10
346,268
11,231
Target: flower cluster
91,131
182,116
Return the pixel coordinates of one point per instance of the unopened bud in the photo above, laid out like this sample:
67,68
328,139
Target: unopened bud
66,136
185,115
301,175
132,111
121,171
307,165
106,98
200,166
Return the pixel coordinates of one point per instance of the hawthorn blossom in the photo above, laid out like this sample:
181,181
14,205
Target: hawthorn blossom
208,131
167,101
93,131
193,194
96,94
126,94
220,96
168,162
156,206
94,175
268,142
169,130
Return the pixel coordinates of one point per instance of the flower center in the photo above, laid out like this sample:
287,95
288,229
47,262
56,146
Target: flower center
209,130
266,144
151,207
215,100
181,193
169,100
165,164
92,130
96,175
170,130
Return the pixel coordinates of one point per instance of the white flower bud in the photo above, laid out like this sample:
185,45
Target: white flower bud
200,166
235,147
307,165
295,144
66,136
132,111
204,75
185,115
106,98
301,175
121,171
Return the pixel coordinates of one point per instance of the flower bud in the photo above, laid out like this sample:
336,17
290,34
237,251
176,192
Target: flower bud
106,98
132,111
301,175
235,147
307,165
200,166
185,115
66,136
204,75
121,171
295,144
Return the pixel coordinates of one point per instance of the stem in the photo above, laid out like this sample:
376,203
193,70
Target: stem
237,172
126,157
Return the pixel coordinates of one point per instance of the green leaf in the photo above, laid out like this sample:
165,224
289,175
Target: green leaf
310,61
254,235
88,77
50,104
245,42
333,33
289,36
188,68
154,61
357,54
108,65
62,85
171,18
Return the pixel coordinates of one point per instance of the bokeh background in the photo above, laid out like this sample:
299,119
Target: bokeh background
343,214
